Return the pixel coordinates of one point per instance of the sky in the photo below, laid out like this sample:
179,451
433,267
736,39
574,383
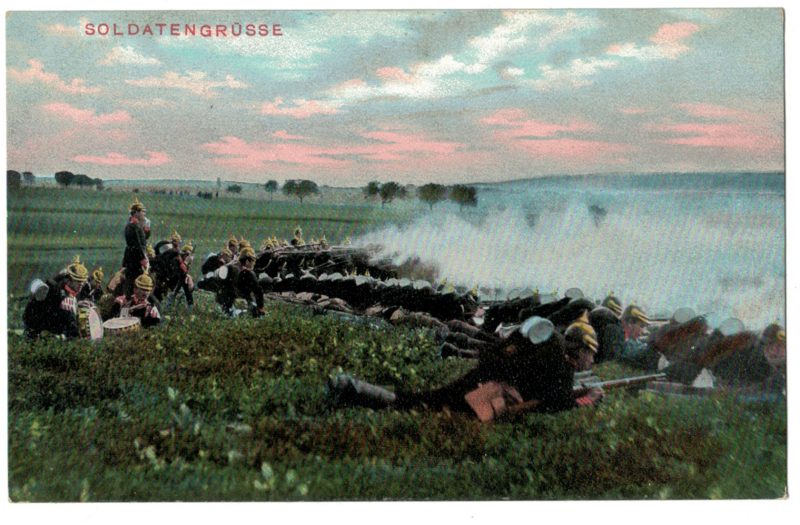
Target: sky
346,97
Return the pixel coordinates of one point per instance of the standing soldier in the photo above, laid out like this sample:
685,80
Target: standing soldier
54,305
178,277
297,240
135,260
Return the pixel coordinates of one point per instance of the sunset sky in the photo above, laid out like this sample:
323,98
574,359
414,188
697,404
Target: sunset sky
413,96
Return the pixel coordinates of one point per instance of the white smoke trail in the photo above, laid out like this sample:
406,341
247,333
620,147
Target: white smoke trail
723,259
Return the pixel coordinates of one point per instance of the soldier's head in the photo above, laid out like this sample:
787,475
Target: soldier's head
613,304
151,253
98,276
137,209
247,258
187,253
233,244
176,240
142,287
77,273
225,256
582,345
633,315
244,243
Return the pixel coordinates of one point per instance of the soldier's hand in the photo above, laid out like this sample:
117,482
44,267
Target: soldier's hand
596,394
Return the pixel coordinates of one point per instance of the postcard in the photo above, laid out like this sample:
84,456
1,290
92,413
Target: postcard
403,255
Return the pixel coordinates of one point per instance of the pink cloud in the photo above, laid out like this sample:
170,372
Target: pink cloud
87,117
712,111
302,108
671,34
573,149
518,125
394,74
284,135
36,74
386,146
154,158
720,135
193,81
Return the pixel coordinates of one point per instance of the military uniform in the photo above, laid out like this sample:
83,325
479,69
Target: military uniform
537,365
57,311
241,282
135,259
140,304
177,276
93,289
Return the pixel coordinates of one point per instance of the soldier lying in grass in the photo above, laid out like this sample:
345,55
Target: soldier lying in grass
532,370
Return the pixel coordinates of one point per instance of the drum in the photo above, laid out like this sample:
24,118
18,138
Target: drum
122,325
90,325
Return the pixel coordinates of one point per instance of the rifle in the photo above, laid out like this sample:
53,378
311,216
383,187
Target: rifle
583,388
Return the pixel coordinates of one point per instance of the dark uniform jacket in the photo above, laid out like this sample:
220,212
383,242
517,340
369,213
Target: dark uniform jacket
135,249
240,283
147,311
56,313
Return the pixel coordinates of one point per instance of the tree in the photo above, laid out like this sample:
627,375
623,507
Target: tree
431,193
389,191
234,188
29,178
83,180
98,183
64,178
13,179
463,196
371,190
271,187
300,188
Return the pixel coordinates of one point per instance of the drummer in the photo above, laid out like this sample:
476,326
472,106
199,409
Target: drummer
139,304
53,306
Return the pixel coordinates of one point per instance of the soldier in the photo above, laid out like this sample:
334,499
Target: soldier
135,260
242,282
634,322
233,246
93,290
140,304
533,369
215,260
174,243
297,240
178,278
54,305
613,304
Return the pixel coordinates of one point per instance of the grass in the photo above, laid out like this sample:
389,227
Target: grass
204,408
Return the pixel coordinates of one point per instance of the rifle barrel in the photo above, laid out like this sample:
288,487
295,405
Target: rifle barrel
623,382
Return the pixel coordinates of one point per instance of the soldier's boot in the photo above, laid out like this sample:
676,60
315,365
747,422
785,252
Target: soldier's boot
345,390
450,350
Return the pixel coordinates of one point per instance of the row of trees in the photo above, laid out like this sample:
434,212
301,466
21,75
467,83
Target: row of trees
14,179
430,194
67,178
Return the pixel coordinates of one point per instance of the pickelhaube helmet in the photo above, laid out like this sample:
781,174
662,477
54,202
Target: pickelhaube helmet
634,313
582,332
136,205
144,282
150,251
77,271
98,274
176,237
613,304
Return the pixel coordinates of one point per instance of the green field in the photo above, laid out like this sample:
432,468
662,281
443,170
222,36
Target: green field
209,409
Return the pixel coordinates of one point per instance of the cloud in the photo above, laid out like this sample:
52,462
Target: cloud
146,103
547,139
194,82
60,29
302,108
127,56
721,128
154,158
578,73
519,126
284,135
381,146
36,74
713,111
667,43
86,117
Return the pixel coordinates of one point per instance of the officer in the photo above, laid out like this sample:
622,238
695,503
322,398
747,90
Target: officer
135,259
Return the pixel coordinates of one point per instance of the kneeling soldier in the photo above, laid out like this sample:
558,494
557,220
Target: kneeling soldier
140,304
54,304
